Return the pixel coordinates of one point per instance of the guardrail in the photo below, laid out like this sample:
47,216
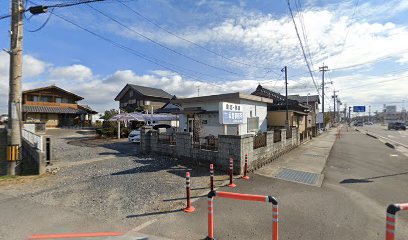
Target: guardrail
34,139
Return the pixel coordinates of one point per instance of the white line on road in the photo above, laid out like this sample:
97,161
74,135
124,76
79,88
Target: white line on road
143,225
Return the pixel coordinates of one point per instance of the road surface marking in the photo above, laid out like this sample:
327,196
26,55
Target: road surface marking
393,155
143,225
390,136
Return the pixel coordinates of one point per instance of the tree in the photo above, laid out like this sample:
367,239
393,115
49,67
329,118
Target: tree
109,114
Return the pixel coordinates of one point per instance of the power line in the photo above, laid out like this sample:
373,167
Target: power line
163,46
348,27
132,51
191,42
301,45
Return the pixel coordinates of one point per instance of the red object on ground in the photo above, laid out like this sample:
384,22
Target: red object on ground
75,235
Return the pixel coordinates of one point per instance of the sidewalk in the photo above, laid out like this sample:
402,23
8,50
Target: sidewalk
308,159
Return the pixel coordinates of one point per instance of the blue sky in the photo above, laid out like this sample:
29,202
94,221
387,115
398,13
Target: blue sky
221,46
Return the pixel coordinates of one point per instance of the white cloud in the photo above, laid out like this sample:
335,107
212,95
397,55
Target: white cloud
74,72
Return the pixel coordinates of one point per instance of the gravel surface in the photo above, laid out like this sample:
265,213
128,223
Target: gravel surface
110,180
77,145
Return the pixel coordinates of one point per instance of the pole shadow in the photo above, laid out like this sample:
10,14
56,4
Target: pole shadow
368,180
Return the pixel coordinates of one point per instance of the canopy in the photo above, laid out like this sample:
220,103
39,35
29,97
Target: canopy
136,116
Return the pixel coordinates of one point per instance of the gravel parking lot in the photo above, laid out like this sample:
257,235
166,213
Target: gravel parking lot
125,187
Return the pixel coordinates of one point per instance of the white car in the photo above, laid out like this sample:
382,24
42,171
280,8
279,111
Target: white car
134,136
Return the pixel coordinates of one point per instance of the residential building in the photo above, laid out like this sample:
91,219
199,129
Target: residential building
134,97
313,102
297,112
231,113
55,107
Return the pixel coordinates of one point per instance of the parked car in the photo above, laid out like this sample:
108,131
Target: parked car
397,126
134,136
369,123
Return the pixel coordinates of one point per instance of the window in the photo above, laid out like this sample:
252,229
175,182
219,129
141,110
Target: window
253,124
58,100
35,99
131,93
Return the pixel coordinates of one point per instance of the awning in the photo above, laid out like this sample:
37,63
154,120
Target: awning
46,109
135,116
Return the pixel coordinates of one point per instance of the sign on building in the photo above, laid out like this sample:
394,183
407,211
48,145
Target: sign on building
231,113
358,108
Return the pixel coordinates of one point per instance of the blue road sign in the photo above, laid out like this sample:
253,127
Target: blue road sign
358,108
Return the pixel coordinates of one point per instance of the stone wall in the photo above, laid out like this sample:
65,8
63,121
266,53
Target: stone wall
3,151
235,146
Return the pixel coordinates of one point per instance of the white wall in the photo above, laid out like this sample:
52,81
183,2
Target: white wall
259,109
213,127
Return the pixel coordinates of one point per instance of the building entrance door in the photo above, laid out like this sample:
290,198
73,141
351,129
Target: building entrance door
190,125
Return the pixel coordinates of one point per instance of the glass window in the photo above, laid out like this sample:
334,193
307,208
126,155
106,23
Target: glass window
58,100
35,99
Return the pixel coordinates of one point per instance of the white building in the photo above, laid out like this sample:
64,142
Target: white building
240,114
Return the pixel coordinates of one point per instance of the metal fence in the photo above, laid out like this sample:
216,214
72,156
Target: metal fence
260,140
34,139
277,136
165,138
207,143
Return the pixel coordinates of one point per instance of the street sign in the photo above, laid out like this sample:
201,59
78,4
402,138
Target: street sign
358,108
231,113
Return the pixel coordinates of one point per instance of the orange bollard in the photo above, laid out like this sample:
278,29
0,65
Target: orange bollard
212,176
275,221
210,235
231,165
391,220
188,208
246,168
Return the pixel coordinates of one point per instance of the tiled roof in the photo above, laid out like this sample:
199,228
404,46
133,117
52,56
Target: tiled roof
46,109
305,99
151,92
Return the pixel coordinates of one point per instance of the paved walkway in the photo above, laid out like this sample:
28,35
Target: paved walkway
310,157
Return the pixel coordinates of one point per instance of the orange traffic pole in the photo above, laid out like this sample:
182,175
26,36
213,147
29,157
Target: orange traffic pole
231,171
212,176
246,168
390,220
275,221
210,235
188,208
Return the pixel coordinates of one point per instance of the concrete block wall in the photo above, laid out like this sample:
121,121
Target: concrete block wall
3,151
228,146
184,142
32,159
145,139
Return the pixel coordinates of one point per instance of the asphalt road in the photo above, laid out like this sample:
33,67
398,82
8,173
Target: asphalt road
400,136
363,176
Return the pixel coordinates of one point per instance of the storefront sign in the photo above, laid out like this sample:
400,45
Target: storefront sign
231,113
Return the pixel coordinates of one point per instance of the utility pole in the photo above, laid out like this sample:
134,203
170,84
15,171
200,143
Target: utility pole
369,113
349,115
323,69
285,69
14,104
198,91
334,107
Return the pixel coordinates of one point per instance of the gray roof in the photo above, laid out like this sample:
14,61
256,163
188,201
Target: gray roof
46,109
305,99
146,91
